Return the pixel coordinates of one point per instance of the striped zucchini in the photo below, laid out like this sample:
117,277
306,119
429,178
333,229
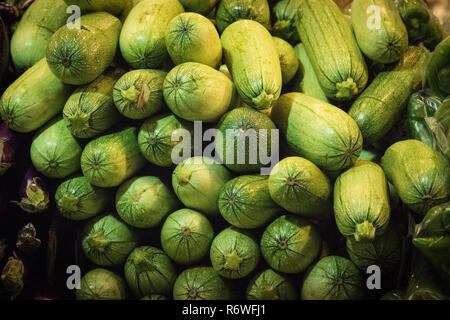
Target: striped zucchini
380,105
253,59
330,44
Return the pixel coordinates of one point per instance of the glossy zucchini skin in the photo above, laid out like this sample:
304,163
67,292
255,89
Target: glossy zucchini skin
34,98
114,7
438,69
331,45
379,30
379,107
253,59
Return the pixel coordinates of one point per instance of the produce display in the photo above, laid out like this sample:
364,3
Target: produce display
224,150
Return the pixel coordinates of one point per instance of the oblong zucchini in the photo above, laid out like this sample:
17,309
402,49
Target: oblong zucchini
54,151
318,131
34,98
330,44
142,38
420,174
379,30
288,60
190,37
438,69
37,25
197,92
285,12
109,160
90,110
79,55
138,94
379,107
253,59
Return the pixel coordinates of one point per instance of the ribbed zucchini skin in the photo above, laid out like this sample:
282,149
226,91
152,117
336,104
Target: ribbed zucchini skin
252,57
318,131
379,107
330,44
285,13
39,22
386,42
33,99
361,202
420,174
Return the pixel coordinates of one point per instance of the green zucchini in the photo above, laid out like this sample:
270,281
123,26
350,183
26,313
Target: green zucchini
252,57
102,284
90,110
285,12
155,138
306,79
54,151
114,7
438,69
143,202
148,270
234,253
298,186
333,278
142,38
109,160
33,99
379,30
384,252
186,236
420,174
197,92
203,7
271,285
138,94
190,37
79,55
318,131
77,199
331,45
288,60
379,107
37,25
361,202
290,244
245,202
107,241
230,11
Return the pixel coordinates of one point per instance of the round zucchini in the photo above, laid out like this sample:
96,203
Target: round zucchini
142,38
201,283
333,278
102,284
298,185
109,160
271,285
190,37
186,236
252,57
148,270
234,253
230,11
420,174
143,202
290,244
245,202
138,94
197,182
79,55
288,60
77,199
155,138
54,151
114,7
90,110
107,241
197,92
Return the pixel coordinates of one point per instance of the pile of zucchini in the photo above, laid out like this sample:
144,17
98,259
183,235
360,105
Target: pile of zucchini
355,108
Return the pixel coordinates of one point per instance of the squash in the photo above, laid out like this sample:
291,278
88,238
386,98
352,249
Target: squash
288,60
438,69
271,285
285,12
102,284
